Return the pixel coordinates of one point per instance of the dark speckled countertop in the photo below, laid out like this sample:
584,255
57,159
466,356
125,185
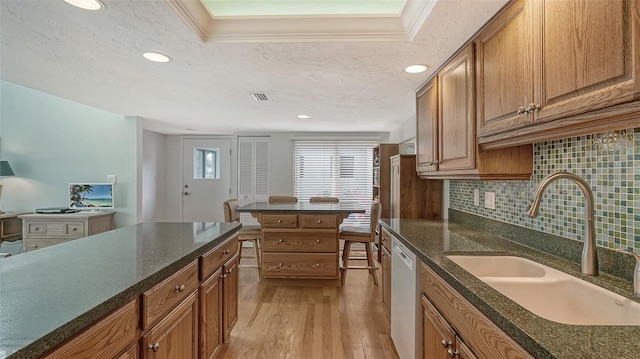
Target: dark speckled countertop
49,295
433,240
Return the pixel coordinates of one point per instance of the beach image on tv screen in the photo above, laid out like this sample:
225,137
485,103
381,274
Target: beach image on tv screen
90,196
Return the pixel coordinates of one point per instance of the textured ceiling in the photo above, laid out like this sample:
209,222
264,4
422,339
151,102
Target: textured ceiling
94,58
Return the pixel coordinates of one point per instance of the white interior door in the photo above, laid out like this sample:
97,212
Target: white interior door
206,178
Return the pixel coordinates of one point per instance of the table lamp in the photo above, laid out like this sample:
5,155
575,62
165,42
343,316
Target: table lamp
5,170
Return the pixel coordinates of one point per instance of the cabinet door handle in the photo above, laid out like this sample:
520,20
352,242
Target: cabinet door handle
154,347
521,111
229,271
453,354
180,288
445,343
532,107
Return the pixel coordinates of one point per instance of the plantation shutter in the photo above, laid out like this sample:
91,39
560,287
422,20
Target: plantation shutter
253,173
343,169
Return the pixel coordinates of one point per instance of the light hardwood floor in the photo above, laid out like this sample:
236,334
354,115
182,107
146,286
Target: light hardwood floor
309,323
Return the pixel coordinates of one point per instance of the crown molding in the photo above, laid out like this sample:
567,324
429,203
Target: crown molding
302,28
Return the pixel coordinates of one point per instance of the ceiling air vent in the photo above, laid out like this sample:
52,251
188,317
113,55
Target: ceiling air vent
259,96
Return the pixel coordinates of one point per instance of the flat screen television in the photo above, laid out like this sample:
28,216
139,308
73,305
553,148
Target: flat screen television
91,196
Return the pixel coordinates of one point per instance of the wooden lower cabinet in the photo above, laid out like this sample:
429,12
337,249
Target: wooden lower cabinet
385,266
131,353
453,327
175,336
105,339
230,280
211,316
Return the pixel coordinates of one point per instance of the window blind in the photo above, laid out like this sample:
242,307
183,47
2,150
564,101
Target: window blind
342,169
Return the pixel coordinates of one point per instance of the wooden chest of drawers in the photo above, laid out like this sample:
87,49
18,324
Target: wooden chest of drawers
44,230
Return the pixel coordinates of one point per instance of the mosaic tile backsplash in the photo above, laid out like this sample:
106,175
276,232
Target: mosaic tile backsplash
609,162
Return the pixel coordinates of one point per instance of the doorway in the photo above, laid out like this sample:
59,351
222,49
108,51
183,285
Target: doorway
206,178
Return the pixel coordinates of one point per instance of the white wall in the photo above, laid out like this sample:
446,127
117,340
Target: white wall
50,142
153,178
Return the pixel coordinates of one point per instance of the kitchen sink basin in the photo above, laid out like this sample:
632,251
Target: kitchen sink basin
549,293
499,266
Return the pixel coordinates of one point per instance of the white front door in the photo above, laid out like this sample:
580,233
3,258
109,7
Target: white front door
206,178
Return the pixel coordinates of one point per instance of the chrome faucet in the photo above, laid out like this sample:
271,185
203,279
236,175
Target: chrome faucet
636,271
589,263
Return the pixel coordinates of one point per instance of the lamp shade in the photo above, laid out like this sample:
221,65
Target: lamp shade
5,169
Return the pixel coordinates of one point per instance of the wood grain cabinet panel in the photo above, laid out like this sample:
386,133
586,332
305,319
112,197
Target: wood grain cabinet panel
157,301
412,196
504,71
300,265
104,340
385,267
322,240
479,333
319,221
176,335
230,282
427,137
211,316
215,258
572,65
131,353
279,220
437,335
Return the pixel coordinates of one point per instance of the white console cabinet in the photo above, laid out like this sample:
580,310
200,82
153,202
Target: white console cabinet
43,230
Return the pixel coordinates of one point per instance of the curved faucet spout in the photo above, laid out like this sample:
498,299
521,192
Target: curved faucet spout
589,254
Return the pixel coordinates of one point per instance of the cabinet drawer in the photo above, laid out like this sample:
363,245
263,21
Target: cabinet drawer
56,229
385,239
105,339
33,244
295,241
298,265
319,221
279,220
215,258
157,301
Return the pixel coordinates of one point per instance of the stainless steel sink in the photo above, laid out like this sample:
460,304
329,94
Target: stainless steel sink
549,293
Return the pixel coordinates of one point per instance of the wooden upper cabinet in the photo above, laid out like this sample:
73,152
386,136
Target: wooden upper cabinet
588,55
578,58
504,71
455,113
427,127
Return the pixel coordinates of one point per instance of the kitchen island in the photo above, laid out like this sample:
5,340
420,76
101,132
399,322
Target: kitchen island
300,241
433,240
51,295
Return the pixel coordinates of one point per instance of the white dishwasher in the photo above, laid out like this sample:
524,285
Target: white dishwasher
404,303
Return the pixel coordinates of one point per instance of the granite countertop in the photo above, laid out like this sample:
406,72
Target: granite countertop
323,208
49,295
433,240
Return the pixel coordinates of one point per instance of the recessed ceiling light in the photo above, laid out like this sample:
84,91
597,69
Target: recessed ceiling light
303,116
156,57
415,69
86,4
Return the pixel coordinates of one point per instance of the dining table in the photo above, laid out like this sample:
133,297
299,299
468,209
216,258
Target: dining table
300,241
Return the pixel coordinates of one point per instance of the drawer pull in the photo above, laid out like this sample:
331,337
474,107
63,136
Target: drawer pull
317,265
229,271
180,288
154,347
279,221
317,241
226,251
319,221
279,264
280,240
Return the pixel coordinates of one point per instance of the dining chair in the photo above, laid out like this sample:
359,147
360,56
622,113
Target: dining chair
366,236
283,199
324,199
247,233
